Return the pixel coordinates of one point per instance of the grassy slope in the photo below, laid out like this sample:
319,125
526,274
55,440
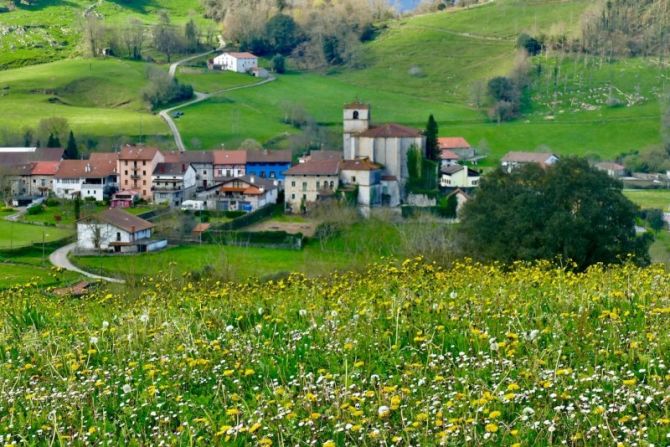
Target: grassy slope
50,28
14,235
650,198
18,274
453,50
98,97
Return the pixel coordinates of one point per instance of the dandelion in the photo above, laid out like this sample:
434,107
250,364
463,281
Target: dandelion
126,388
105,325
144,318
383,411
491,428
93,340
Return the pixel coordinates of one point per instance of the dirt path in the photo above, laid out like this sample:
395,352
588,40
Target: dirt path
59,258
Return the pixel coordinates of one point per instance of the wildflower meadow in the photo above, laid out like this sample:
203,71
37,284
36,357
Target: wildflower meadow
401,354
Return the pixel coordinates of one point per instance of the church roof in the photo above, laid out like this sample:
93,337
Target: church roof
357,105
390,130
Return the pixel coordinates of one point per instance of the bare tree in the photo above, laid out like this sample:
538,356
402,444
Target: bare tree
166,38
93,33
133,36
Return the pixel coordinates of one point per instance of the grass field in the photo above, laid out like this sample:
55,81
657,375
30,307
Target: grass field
650,198
65,210
98,97
402,354
12,275
50,29
15,235
206,81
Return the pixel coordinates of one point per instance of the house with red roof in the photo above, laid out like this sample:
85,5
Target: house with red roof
247,193
456,145
42,177
95,178
239,62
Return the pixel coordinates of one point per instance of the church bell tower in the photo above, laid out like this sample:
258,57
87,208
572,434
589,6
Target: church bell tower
356,120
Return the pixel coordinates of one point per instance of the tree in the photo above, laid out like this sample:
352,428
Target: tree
53,141
191,36
279,64
502,88
432,147
283,34
570,211
54,127
133,38
166,39
77,207
71,150
529,43
94,33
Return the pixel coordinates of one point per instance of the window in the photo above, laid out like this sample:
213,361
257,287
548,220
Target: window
126,181
318,185
262,174
144,163
228,173
353,179
304,186
272,174
144,182
293,184
144,172
204,172
356,115
293,196
144,192
332,184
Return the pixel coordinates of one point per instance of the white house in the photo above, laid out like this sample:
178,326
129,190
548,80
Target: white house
247,194
364,176
116,230
458,176
513,160
237,62
612,169
172,183
96,178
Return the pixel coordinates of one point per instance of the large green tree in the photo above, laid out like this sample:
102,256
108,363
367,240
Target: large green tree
283,34
569,211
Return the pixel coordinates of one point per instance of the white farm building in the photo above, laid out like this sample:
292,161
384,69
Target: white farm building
237,62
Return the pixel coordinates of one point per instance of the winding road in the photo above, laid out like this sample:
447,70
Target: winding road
199,97
60,259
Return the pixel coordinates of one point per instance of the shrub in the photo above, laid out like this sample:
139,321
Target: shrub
34,210
279,64
51,202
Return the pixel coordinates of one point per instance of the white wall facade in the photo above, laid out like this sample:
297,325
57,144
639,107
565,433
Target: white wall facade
66,188
230,62
86,235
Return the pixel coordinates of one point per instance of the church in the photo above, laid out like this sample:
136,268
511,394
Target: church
385,144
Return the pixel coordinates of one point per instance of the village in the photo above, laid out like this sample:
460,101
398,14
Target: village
374,170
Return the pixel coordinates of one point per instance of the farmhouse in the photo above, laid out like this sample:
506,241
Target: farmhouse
117,230
386,144
513,160
135,167
229,164
172,183
237,62
448,158
309,182
457,176
247,194
94,178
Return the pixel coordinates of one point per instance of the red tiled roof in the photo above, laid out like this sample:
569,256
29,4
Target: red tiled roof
325,155
359,165
222,157
610,166
316,167
171,169
45,168
357,105
447,154
390,130
108,157
137,153
171,156
85,168
453,143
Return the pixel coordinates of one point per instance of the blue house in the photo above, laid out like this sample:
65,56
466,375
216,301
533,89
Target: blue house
268,164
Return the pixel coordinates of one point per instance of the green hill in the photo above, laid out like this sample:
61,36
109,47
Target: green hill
48,30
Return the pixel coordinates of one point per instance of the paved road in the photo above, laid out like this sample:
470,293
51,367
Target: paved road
200,97
59,259
16,217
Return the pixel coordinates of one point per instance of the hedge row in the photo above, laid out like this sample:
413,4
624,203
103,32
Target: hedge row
271,239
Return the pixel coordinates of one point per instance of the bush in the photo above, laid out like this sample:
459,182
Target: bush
34,210
530,44
279,64
51,202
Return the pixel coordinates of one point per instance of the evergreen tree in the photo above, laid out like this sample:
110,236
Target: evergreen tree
71,151
53,141
432,148
77,207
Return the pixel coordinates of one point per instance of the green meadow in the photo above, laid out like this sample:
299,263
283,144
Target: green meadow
15,235
100,97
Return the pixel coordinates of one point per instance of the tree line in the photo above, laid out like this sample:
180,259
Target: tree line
315,34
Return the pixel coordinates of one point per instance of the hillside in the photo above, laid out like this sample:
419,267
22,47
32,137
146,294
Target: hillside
399,355
434,61
48,30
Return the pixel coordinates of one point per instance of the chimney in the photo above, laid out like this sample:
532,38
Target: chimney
252,179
